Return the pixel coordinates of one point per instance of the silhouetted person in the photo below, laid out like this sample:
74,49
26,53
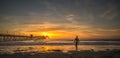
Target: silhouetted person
76,41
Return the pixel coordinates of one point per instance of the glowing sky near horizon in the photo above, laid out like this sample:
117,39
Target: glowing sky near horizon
61,18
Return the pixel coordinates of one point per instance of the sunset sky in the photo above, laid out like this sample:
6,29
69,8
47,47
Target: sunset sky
61,18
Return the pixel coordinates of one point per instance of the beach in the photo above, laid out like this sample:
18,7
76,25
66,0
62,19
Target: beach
71,54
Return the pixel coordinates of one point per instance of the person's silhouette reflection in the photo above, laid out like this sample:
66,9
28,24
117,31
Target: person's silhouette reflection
76,41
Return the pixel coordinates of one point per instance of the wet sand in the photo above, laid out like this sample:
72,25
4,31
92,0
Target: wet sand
70,54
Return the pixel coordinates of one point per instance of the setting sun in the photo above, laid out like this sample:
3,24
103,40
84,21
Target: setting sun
48,34
45,34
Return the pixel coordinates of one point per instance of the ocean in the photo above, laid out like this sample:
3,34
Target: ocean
51,46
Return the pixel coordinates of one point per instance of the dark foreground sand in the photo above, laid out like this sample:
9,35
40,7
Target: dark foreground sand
70,54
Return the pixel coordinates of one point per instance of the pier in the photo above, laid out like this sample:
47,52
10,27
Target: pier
13,37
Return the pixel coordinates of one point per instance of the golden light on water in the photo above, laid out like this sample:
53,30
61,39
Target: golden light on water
48,48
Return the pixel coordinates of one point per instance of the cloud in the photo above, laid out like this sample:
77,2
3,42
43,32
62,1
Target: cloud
77,16
71,18
110,11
